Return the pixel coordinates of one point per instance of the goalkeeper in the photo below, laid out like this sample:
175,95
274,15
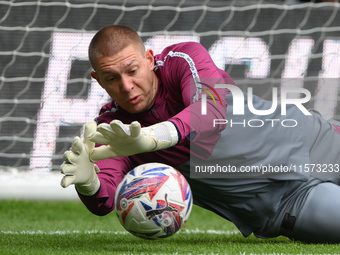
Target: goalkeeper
156,116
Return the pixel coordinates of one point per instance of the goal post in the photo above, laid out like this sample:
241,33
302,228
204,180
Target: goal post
47,94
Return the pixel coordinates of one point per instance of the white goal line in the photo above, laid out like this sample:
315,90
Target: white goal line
67,232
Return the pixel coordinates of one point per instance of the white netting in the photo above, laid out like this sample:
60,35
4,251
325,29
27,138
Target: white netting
46,93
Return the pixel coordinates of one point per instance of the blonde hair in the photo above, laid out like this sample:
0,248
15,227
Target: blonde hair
112,39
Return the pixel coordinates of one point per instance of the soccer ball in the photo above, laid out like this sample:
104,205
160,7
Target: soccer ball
153,201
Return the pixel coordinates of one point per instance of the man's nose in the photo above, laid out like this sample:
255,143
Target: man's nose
127,83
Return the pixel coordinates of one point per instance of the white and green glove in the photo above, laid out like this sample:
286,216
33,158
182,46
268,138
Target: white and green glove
125,140
77,167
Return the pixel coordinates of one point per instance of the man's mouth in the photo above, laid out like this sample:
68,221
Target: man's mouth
134,100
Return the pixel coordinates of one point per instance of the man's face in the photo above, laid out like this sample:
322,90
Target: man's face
128,78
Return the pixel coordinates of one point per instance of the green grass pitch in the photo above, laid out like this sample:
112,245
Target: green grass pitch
50,227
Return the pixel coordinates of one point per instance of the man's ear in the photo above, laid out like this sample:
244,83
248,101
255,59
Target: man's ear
95,76
150,57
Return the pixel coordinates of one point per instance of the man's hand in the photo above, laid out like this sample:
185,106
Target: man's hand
77,167
125,140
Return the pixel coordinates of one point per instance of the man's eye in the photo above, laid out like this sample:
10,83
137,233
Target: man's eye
133,71
110,79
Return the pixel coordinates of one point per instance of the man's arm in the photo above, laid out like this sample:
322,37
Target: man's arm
193,69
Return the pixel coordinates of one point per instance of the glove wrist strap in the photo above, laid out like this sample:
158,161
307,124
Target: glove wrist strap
91,188
165,134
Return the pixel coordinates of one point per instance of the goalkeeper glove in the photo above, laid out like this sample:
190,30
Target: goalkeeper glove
125,140
77,167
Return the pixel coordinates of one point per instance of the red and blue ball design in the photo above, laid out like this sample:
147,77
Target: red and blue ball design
153,201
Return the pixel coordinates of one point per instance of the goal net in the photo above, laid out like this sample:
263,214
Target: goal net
47,94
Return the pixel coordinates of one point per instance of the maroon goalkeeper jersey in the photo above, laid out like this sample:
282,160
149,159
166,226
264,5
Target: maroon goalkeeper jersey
182,70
